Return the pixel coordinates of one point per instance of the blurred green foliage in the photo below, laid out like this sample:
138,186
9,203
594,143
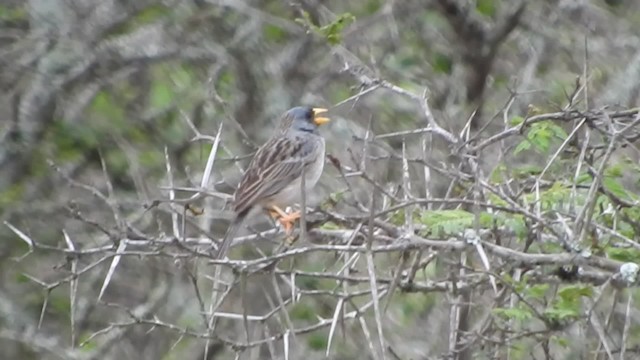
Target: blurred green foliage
413,306
332,32
318,341
447,222
486,7
442,223
566,306
303,311
540,136
519,313
442,63
12,13
148,15
11,195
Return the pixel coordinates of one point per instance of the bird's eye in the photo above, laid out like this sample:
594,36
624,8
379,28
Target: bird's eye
310,114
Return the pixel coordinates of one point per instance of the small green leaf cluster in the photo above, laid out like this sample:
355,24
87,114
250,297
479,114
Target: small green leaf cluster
541,136
332,32
565,306
443,223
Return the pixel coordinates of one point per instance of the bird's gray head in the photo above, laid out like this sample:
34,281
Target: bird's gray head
303,118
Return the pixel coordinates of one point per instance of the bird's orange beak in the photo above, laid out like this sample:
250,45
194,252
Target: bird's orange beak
320,120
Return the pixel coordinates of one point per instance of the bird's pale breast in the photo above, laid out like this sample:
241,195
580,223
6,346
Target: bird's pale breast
292,192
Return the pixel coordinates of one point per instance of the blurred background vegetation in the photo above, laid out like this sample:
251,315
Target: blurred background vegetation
97,91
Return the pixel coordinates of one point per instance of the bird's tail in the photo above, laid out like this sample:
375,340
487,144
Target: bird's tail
228,237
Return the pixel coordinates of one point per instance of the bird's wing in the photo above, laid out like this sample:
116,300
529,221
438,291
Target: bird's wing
276,164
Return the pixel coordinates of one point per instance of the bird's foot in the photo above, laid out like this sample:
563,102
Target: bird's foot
276,212
286,220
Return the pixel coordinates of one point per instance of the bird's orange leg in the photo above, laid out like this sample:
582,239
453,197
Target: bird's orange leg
276,212
286,220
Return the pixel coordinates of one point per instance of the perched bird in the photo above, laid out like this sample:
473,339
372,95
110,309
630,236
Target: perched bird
274,176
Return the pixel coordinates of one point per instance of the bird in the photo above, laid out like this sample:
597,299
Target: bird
273,178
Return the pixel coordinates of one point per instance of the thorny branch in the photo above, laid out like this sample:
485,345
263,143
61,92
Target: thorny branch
372,250
350,239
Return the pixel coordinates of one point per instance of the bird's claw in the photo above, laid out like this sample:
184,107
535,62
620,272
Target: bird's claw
286,220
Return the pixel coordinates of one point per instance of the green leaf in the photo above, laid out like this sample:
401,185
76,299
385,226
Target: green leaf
524,145
147,15
486,7
398,217
104,105
329,225
308,283
274,33
517,225
583,178
302,311
13,13
624,255
552,198
567,305
562,312
541,135
116,162
542,143
372,7
515,313
332,32
516,120
574,292
558,131
405,61
150,158
21,278
161,95
626,229
317,341
413,305
59,303
226,83
525,171
11,195
561,341
538,291
615,188
498,174
88,345
151,14
442,63
496,200
183,78
551,248
614,171
447,222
